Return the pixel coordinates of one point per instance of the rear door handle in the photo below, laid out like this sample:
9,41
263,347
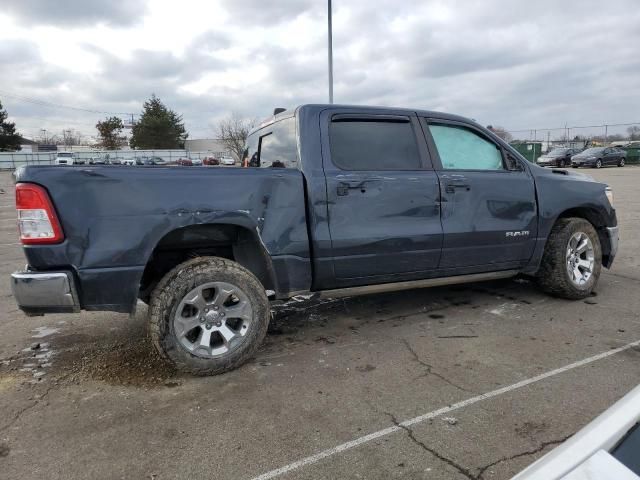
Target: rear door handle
451,186
344,187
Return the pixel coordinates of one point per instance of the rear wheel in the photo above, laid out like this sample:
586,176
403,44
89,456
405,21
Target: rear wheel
562,163
208,316
572,259
621,162
598,163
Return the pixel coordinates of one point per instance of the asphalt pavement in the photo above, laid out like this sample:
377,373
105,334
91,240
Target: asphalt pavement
465,382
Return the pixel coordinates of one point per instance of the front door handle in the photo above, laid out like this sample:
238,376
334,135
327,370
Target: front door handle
451,186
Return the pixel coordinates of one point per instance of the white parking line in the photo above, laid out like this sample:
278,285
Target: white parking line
436,413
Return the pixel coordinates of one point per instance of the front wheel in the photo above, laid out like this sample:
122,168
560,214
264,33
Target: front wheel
598,163
572,259
562,163
208,316
621,162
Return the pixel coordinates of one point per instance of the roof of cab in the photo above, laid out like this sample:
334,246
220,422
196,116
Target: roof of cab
310,109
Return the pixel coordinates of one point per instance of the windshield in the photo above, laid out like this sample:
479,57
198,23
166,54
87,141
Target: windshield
591,151
62,154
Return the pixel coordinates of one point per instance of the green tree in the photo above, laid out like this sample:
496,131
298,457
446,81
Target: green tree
109,131
9,139
158,127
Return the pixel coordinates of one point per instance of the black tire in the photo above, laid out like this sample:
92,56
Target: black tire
171,290
621,162
562,163
553,276
598,163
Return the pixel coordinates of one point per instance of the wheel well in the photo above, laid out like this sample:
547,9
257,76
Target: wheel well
596,219
220,240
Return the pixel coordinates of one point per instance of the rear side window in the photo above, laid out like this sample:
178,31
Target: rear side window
373,145
274,146
463,149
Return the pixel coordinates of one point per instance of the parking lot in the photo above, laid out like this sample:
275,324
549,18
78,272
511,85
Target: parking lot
465,382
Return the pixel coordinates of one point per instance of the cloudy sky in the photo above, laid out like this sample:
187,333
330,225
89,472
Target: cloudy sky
515,63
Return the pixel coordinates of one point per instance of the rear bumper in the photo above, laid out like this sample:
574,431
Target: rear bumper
613,235
37,293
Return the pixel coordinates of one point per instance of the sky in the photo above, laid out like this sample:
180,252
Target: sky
519,64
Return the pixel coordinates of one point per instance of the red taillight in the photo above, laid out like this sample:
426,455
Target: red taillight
37,219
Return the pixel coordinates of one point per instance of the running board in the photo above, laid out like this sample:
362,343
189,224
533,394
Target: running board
430,282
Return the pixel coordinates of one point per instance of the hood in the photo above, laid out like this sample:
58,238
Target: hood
562,174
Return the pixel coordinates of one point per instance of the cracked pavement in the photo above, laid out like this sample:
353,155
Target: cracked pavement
84,396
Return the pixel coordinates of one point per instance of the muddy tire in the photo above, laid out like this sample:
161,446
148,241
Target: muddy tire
208,316
572,259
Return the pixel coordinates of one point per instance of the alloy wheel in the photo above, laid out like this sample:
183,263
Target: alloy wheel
213,319
580,258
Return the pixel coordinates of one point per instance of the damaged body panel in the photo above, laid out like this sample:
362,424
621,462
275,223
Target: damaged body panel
339,197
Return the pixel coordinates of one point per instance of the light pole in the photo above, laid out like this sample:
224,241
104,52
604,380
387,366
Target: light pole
330,31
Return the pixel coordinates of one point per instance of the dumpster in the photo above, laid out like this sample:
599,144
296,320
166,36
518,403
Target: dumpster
529,150
633,153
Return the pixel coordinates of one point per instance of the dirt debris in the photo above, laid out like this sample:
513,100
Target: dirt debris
132,362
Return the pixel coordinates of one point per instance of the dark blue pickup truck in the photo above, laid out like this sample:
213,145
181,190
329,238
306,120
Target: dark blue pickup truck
339,200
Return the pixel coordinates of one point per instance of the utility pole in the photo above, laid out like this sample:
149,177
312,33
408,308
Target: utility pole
330,31
606,129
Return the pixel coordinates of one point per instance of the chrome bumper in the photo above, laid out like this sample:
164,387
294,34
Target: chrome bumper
37,293
612,232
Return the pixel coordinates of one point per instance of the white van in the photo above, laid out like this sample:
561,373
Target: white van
64,158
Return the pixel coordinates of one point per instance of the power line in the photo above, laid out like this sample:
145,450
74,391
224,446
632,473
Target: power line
577,126
44,103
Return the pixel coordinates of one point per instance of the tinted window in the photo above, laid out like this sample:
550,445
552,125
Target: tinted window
462,149
594,150
559,151
373,145
273,146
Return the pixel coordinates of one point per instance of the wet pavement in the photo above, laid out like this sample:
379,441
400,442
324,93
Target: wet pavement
348,388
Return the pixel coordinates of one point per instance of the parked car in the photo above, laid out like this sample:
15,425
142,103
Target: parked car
599,157
155,161
65,158
607,448
96,160
558,157
376,199
185,162
132,161
197,162
114,161
227,161
211,161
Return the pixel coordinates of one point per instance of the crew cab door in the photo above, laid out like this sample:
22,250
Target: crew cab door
382,193
488,203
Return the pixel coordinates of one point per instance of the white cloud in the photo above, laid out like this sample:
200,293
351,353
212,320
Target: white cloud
517,64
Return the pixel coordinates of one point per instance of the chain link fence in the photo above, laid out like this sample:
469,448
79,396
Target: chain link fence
13,160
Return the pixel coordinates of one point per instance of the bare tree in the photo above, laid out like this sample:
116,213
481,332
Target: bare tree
634,132
70,138
232,132
501,132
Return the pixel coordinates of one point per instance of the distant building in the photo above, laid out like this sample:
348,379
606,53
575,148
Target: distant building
205,145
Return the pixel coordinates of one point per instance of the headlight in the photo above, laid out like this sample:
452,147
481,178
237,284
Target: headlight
609,193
